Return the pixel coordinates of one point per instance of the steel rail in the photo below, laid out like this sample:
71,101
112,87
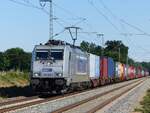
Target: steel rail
12,108
94,97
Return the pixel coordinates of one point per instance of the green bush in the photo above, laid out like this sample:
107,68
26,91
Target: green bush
145,104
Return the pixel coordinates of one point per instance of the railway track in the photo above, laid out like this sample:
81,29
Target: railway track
85,106
31,101
18,100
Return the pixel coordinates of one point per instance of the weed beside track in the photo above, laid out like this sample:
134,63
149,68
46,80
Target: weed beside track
13,84
145,104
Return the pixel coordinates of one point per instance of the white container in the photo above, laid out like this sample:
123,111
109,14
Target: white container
94,66
119,70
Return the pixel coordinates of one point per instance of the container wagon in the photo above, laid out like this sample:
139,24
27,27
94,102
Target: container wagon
120,71
94,62
111,69
139,74
142,73
117,71
131,72
104,70
126,72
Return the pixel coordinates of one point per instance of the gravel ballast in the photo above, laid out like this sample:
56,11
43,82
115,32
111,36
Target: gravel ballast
53,105
88,106
128,102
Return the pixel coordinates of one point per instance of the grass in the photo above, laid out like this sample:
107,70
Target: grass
145,104
14,84
11,79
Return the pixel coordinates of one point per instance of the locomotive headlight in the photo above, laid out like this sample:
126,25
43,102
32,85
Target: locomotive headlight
36,74
48,63
59,74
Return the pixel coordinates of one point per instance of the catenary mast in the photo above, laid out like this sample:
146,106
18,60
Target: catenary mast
43,3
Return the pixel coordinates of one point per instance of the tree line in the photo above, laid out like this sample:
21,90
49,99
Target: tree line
17,59
115,49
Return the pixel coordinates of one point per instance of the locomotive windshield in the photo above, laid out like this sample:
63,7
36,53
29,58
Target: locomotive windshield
52,54
42,55
57,54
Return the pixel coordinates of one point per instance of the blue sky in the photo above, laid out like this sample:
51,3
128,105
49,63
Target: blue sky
24,27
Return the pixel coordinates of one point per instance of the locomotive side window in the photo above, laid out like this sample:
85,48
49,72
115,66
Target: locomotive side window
42,55
57,54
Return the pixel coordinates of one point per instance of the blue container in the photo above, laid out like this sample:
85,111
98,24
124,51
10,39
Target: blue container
111,68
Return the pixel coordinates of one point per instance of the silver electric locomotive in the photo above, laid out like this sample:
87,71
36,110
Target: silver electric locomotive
59,66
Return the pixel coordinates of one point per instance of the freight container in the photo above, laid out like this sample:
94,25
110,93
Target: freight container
147,73
142,73
103,70
120,71
131,72
94,66
111,68
136,72
126,72
117,70
94,69
139,72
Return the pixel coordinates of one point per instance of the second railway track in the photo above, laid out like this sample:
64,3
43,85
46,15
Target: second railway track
93,104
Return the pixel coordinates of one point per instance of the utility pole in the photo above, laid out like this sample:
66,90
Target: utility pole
102,37
127,60
119,54
74,38
43,3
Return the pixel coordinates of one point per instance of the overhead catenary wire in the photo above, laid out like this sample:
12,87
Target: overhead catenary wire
67,11
20,3
41,8
136,45
104,5
111,13
130,41
71,26
83,19
28,3
122,22
135,27
105,17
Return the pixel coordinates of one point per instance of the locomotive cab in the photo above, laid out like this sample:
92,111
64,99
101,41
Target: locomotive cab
47,68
